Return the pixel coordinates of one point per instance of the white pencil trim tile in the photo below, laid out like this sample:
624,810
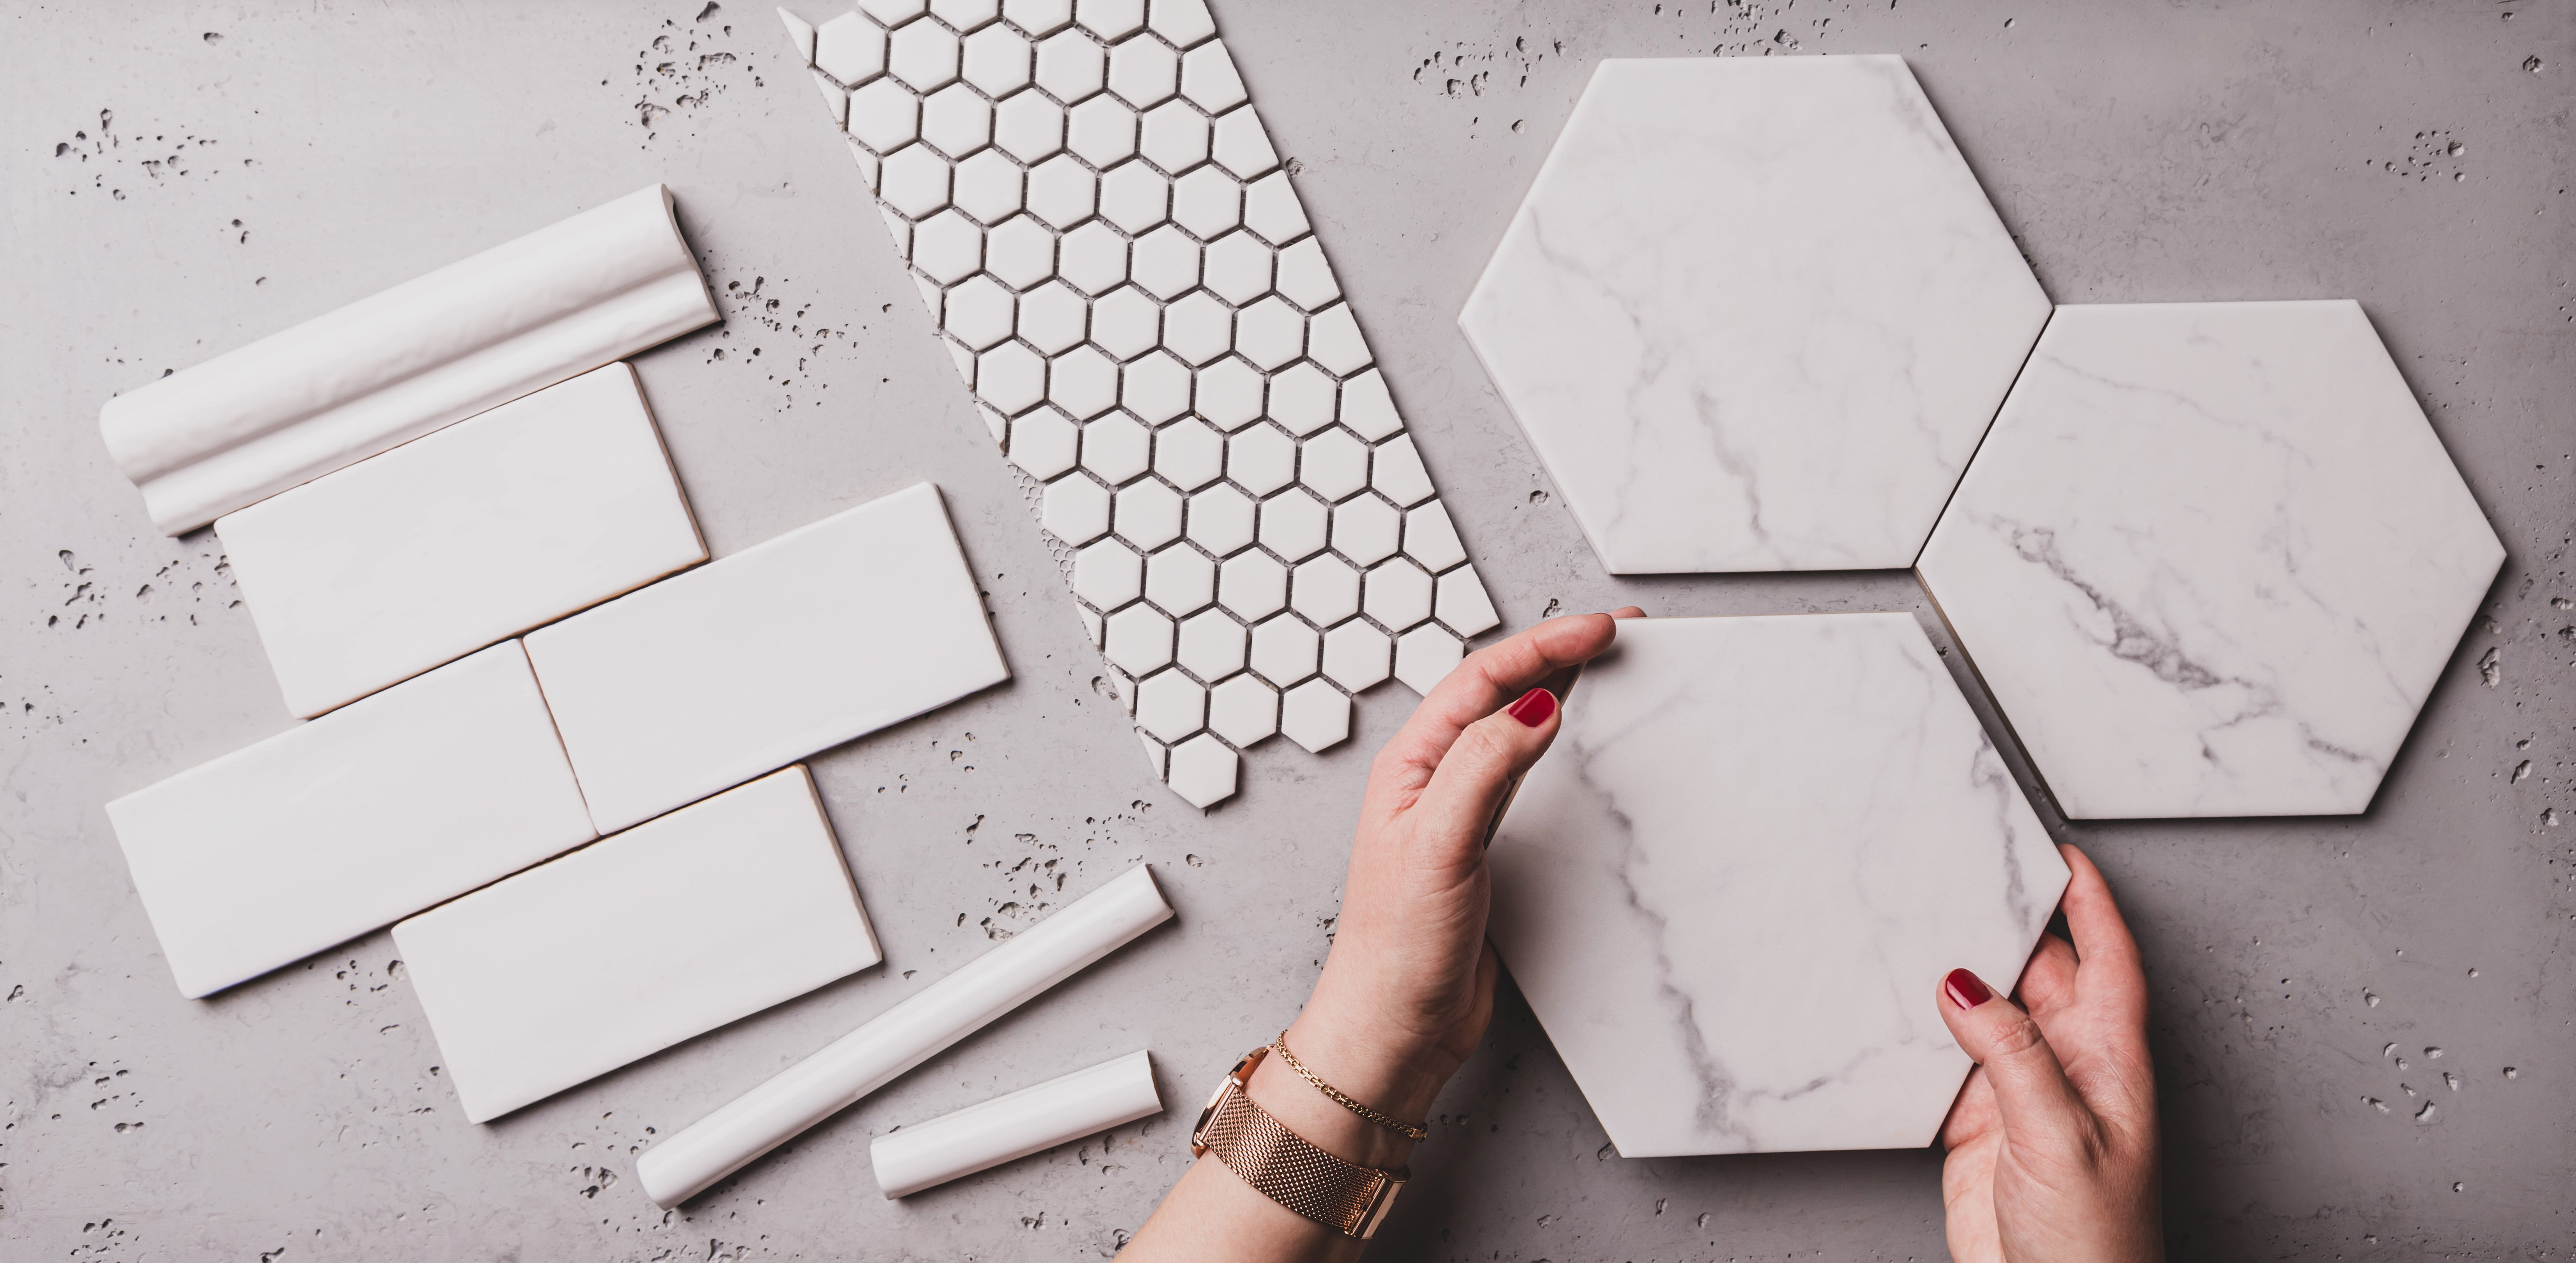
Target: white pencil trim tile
1013,1126
685,1163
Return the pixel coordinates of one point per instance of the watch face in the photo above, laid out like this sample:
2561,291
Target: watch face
1198,1130
1377,1213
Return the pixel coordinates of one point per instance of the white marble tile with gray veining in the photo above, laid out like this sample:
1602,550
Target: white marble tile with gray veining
2211,559
1732,887
1754,314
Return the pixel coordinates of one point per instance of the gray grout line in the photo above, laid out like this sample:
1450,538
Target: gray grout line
939,298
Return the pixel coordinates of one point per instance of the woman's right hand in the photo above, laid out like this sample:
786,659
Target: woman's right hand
2053,1151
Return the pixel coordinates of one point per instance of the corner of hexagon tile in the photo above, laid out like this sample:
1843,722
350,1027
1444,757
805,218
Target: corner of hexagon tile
1733,946
2211,559
1704,407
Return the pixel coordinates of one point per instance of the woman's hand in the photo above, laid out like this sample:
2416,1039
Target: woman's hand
2053,1142
1410,983
1405,994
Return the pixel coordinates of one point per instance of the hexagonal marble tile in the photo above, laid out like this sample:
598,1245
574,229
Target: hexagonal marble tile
1104,238
1734,952
2211,559
1804,406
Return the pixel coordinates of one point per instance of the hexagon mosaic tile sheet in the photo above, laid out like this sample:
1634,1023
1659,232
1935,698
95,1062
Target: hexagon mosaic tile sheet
1754,314
1127,281
1732,886
2211,559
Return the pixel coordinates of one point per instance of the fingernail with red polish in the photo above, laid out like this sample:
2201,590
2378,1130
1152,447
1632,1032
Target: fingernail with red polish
1965,989
1533,708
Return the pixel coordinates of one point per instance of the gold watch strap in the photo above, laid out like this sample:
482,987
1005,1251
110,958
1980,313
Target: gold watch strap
1286,1168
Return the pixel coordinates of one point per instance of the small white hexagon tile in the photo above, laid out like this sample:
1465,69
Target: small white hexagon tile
2211,559
1733,885
1114,256
1754,314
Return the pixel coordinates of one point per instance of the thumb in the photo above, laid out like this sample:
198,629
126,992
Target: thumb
1484,765
2031,1091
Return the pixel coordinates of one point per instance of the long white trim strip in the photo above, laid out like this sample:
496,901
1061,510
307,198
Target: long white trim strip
1006,1128
384,370
902,1037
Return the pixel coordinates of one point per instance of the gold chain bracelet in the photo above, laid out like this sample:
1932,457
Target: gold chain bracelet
1415,1131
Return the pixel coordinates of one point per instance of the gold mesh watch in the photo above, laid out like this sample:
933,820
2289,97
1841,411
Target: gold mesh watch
1280,1164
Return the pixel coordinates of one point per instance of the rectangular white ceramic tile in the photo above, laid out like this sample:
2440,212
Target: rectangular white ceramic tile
538,508
389,368
1143,326
619,950
345,824
711,677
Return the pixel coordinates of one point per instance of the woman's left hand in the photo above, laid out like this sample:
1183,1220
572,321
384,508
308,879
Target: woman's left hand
1410,982
1409,985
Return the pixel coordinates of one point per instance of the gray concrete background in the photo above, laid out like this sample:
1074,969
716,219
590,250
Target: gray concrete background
183,177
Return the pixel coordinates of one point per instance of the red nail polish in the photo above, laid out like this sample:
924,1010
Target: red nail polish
1533,708
1965,989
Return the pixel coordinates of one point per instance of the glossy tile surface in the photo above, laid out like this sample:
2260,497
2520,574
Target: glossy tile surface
619,950
538,508
325,394
2211,559
1019,969
1175,307
1732,886
670,693
987,1134
337,827
1707,404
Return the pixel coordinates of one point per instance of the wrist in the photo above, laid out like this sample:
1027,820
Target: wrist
1383,1068
1386,1073
1322,1121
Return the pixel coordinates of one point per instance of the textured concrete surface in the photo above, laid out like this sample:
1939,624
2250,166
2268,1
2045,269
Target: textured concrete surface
180,178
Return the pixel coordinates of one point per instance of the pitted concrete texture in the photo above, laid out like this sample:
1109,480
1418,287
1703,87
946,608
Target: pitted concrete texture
2361,1025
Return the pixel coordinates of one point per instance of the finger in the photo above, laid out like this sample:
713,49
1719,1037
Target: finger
1561,681
1482,683
2091,915
1972,1114
2109,955
2048,982
1483,765
2031,1091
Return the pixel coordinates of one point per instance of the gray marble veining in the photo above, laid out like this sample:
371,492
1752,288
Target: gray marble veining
1710,404
1731,888
2211,559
